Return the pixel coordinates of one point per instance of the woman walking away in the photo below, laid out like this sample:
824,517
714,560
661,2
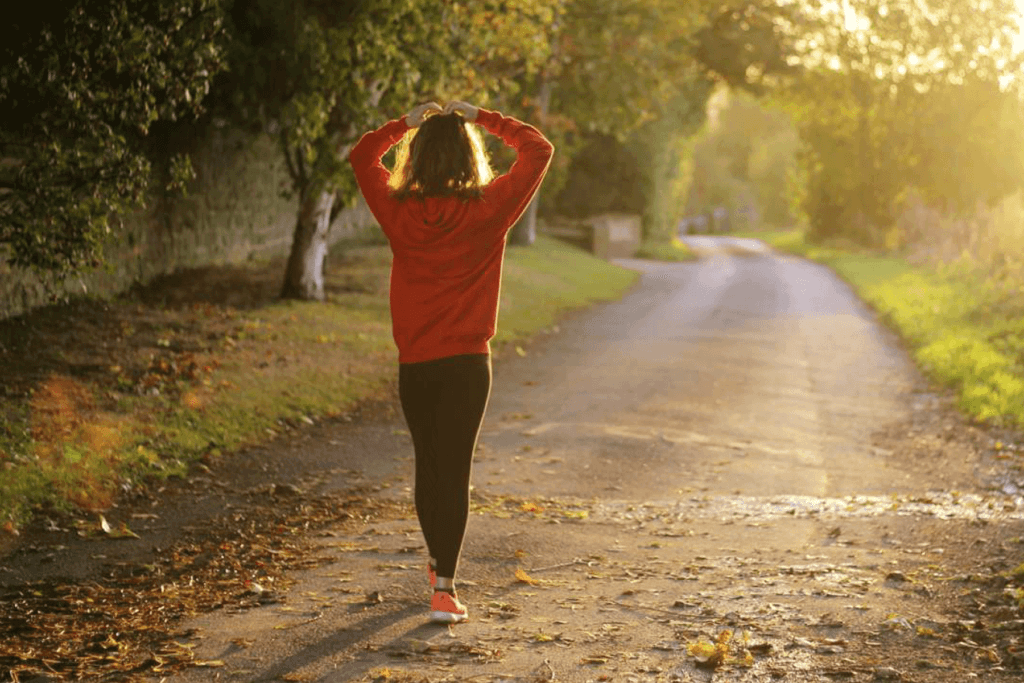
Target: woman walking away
446,221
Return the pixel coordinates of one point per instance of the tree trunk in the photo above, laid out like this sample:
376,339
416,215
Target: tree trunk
524,232
304,276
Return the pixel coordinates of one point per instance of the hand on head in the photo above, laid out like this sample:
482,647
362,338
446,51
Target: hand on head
465,109
420,112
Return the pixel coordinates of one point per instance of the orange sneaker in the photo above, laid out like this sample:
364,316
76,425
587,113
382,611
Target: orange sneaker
431,575
445,608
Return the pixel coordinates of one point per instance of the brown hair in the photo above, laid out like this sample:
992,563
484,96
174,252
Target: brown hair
444,156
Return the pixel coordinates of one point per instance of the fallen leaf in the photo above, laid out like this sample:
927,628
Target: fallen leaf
124,532
523,577
703,651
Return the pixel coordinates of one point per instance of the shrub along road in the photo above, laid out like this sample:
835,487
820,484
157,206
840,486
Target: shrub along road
733,473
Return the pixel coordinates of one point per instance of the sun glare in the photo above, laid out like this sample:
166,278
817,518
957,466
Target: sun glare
1018,41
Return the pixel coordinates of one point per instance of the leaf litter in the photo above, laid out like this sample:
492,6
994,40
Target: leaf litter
126,623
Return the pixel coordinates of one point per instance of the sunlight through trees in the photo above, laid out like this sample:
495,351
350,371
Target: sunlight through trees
893,101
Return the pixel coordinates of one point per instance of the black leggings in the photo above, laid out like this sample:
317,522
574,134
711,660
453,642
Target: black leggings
444,402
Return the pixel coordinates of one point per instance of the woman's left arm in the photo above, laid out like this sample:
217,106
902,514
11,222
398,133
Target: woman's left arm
371,175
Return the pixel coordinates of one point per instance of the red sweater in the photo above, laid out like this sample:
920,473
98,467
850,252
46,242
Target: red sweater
448,252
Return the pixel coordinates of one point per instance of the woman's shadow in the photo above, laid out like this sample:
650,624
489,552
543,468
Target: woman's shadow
409,643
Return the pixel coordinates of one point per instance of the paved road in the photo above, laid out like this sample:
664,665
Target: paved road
726,448
767,362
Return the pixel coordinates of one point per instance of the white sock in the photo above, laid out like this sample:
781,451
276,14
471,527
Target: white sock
445,584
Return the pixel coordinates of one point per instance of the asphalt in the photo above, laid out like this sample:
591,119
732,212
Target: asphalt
736,447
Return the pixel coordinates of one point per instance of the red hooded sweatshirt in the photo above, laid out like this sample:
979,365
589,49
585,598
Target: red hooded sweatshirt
448,251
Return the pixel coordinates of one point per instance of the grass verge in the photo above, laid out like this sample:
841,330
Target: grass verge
675,250
965,328
102,396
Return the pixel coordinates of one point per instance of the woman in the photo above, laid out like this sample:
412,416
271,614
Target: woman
446,222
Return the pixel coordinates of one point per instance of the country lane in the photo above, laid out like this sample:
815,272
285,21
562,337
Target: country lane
727,454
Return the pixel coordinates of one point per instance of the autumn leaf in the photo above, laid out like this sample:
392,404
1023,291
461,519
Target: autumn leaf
122,530
192,400
708,654
703,651
523,577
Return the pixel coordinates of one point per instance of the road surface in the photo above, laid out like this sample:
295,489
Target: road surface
737,446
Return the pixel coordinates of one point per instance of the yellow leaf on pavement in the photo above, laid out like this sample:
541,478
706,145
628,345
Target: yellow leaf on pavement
523,577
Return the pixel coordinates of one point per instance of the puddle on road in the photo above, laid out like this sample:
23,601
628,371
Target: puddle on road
937,505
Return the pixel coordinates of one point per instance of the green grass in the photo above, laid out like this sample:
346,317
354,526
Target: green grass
72,442
965,330
674,251
787,240
541,282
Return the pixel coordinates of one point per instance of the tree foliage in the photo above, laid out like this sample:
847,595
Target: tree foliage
81,84
889,96
604,177
749,44
617,64
744,159
642,72
893,91
319,73
623,70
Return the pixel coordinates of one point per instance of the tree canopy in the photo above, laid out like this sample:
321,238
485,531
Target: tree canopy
745,159
889,97
319,73
901,96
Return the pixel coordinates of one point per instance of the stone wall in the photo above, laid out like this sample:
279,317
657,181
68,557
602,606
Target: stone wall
233,211
616,235
608,235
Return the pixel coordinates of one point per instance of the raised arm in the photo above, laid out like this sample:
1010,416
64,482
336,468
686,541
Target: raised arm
371,175
366,156
510,194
